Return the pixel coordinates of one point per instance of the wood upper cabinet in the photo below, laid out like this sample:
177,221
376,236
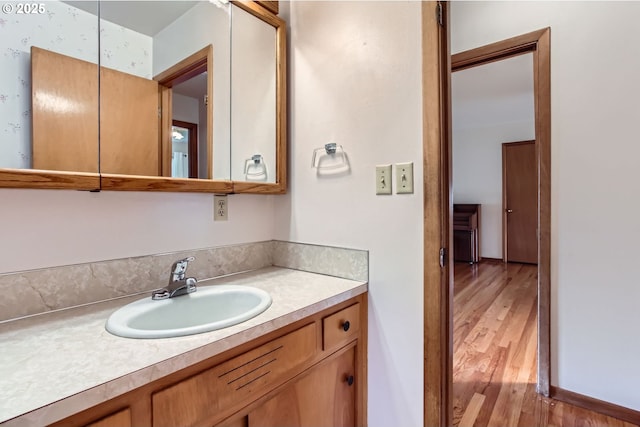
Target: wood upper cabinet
323,397
65,113
129,123
309,373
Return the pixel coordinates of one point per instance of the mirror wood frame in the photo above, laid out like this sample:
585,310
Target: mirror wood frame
44,179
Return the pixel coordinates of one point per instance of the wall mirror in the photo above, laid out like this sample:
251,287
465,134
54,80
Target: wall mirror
163,119
182,78
258,100
26,151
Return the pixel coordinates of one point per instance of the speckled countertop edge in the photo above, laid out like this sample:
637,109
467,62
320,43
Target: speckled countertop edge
58,364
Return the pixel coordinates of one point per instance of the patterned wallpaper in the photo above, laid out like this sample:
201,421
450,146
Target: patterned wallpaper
63,29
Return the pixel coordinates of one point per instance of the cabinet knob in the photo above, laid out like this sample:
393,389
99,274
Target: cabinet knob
346,325
350,380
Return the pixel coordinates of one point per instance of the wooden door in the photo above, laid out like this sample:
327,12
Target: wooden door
520,202
323,398
129,124
438,210
65,112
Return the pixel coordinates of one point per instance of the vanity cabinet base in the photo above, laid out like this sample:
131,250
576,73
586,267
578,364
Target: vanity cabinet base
309,373
323,396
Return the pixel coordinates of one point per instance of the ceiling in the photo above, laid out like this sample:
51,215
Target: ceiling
146,17
195,87
497,92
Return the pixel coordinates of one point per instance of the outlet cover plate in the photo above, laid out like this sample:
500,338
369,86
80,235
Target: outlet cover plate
404,178
383,179
220,208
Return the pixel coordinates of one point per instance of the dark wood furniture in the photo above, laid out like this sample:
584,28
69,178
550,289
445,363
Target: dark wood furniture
466,234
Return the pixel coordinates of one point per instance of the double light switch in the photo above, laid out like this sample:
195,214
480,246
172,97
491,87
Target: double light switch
404,178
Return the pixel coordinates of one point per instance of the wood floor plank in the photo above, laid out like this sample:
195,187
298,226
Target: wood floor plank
495,344
471,413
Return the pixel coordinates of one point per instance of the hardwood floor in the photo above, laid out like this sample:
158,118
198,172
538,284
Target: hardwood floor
494,362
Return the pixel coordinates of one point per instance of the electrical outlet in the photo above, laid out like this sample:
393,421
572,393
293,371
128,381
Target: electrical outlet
404,178
221,208
383,179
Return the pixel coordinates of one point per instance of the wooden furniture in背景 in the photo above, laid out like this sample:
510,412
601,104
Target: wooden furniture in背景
466,232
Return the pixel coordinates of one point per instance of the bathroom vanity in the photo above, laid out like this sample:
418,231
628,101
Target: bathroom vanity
301,362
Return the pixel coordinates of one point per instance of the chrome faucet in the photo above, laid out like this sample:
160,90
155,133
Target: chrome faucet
178,284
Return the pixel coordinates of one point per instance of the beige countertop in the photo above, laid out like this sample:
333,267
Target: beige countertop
57,364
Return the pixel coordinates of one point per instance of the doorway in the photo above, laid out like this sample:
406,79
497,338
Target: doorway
185,91
538,43
438,268
184,149
494,302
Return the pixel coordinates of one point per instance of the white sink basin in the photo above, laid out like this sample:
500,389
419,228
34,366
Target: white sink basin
207,309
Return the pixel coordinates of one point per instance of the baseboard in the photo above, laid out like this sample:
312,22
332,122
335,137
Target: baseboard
596,405
484,258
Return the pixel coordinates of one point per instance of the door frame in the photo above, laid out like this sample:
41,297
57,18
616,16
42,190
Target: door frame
505,234
191,66
437,65
437,212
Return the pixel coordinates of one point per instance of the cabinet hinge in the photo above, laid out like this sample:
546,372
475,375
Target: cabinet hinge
206,100
439,13
443,257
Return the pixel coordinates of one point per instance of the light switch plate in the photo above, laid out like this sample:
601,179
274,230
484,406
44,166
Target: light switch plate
220,208
383,179
404,178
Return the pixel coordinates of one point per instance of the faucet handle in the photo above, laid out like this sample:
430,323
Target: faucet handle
179,268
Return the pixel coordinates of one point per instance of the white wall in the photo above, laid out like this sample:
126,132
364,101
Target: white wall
185,108
477,175
355,80
46,228
594,226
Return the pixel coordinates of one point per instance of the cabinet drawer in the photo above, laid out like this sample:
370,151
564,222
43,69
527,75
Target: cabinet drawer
232,382
121,418
341,327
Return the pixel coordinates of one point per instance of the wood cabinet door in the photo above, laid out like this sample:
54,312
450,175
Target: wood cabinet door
65,112
324,397
520,193
129,124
